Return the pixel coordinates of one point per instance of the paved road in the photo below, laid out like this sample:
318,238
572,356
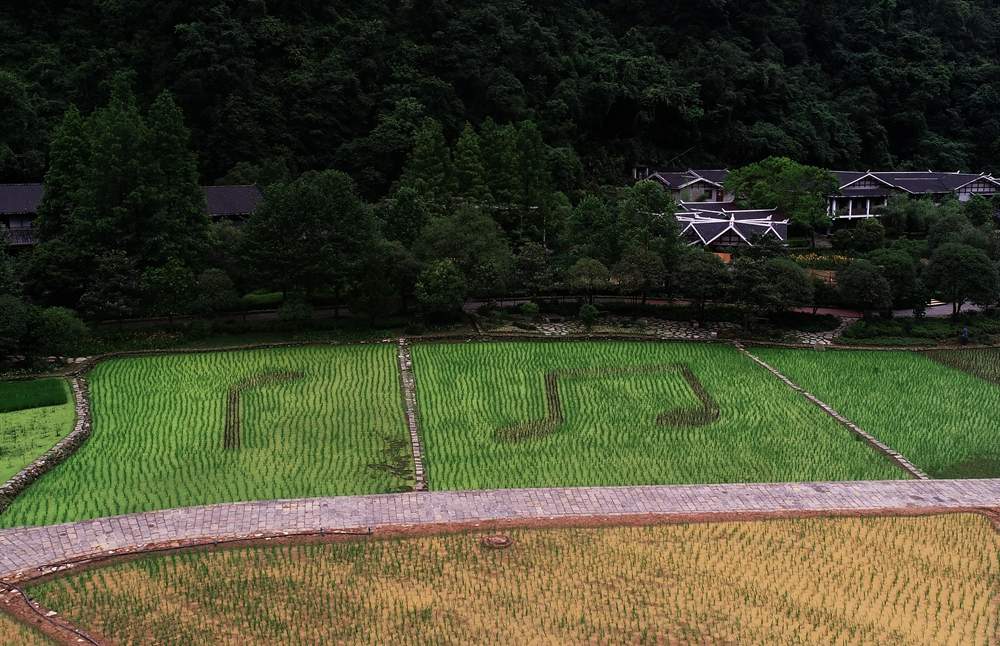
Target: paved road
24,550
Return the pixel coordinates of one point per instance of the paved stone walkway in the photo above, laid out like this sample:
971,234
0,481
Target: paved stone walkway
651,327
824,338
26,551
409,392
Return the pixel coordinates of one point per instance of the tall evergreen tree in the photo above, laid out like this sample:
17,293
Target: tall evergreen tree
118,181
470,177
532,164
498,145
178,219
429,170
69,163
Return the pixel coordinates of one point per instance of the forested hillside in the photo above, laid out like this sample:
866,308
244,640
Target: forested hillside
272,89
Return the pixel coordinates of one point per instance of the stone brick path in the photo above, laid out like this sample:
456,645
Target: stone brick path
26,551
651,327
824,338
409,392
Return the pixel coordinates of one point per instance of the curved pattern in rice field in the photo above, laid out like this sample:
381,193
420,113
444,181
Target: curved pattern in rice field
157,419
705,411
764,432
231,437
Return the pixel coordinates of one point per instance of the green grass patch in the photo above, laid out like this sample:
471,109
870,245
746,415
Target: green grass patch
27,433
942,419
159,424
22,395
610,431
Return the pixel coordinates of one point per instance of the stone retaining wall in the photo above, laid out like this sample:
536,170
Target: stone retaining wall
62,450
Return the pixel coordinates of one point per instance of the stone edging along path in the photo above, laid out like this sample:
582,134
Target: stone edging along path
30,552
880,446
408,386
62,450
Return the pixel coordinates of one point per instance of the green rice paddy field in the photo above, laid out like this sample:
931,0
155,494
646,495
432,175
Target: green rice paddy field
940,409
34,416
159,425
472,395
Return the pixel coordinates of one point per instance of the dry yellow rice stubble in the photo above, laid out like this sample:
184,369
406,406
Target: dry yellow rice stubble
928,580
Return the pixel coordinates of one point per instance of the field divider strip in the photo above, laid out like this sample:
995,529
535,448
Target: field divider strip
54,456
408,386
880,446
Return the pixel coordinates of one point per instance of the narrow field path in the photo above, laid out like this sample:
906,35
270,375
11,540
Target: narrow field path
27,552
409,391
878,444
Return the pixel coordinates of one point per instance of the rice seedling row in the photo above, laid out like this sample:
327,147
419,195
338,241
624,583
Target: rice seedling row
158,423
942,419
928,580
34,426
475,397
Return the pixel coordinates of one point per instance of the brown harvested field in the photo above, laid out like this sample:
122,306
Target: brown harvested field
13,633
930,580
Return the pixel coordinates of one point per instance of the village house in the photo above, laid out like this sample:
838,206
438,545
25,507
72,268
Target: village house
861,194
689,185
19,205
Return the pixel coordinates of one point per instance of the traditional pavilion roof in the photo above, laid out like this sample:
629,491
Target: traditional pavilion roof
680,179
221,201
706,222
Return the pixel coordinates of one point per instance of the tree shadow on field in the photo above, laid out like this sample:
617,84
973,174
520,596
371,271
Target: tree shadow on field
980,466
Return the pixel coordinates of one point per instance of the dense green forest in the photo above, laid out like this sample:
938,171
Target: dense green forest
273,89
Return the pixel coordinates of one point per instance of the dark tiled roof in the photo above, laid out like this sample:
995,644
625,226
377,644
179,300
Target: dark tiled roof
232,200
868,192
847,176
927,182
707,226
713,175
671,179
917,182
20,198
221,200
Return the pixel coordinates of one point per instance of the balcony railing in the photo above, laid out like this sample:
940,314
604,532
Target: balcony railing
19,236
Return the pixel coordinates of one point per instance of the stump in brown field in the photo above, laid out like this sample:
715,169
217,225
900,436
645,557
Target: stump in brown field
496,541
